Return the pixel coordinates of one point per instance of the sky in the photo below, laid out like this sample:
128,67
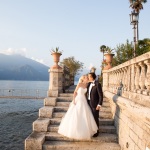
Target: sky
78,27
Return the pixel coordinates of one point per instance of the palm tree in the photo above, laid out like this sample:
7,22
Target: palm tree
137,4
103,49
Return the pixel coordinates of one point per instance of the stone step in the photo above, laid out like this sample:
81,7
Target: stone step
105,109
106,104
56,121
70,98
102,129
60,109
63,145
64,99
102,137
103,115
107,129
105,99
65,104
64,109
106,121
58,114
66,95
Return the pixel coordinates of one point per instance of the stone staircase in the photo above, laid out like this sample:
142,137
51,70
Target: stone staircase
45,128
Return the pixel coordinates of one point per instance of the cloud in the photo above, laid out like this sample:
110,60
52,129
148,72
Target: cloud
39,60
11,51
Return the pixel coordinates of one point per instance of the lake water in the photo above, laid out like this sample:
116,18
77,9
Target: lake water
17,115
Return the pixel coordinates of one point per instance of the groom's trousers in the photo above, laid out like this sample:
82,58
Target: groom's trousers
95,114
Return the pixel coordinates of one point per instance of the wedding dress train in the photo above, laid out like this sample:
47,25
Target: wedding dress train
78,122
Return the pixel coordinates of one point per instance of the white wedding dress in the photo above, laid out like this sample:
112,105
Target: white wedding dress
78,122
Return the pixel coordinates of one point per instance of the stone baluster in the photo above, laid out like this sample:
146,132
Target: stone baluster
147,79
117,74
120,72
110,82
115,79
109,78
132,77
125,78
142,77
121,76
129,78
118,80
137,77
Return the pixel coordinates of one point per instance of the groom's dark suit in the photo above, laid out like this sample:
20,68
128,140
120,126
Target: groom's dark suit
96,98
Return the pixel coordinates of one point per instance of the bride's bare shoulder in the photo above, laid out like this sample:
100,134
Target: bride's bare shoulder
83,85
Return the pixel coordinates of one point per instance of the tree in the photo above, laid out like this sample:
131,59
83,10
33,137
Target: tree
143,46
124,52
137,4
73,65
103,49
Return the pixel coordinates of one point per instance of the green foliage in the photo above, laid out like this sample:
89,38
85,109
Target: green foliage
143,46
73,65
108,50
56,50
124,52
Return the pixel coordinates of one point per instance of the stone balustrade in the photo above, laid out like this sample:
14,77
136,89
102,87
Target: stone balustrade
127,86
130,79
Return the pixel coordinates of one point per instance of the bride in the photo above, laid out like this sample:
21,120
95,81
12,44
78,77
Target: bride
78,122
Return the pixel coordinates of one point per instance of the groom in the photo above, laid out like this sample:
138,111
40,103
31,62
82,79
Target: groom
94,97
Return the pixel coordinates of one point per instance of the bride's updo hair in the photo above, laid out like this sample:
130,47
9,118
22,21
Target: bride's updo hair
81,79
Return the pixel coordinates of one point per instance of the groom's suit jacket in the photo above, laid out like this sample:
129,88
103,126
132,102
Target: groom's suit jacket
96,94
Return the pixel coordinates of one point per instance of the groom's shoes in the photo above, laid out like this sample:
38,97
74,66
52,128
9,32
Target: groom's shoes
96,134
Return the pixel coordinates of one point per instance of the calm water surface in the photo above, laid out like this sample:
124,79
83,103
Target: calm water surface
17,115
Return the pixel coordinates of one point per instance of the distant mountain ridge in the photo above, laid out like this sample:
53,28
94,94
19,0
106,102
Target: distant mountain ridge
17,67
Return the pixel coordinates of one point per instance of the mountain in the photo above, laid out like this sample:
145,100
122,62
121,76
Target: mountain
17,67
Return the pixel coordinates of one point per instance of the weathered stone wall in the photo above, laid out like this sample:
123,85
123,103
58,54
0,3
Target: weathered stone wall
127,87
132,122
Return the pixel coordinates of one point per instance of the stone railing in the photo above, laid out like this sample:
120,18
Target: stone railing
129,79
127,86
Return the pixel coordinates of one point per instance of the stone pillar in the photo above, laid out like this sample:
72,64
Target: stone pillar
55,81
105,80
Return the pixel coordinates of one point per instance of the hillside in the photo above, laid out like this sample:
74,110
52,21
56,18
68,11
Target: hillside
17,67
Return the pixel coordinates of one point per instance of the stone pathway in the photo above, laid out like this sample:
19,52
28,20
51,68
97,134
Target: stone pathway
45,129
